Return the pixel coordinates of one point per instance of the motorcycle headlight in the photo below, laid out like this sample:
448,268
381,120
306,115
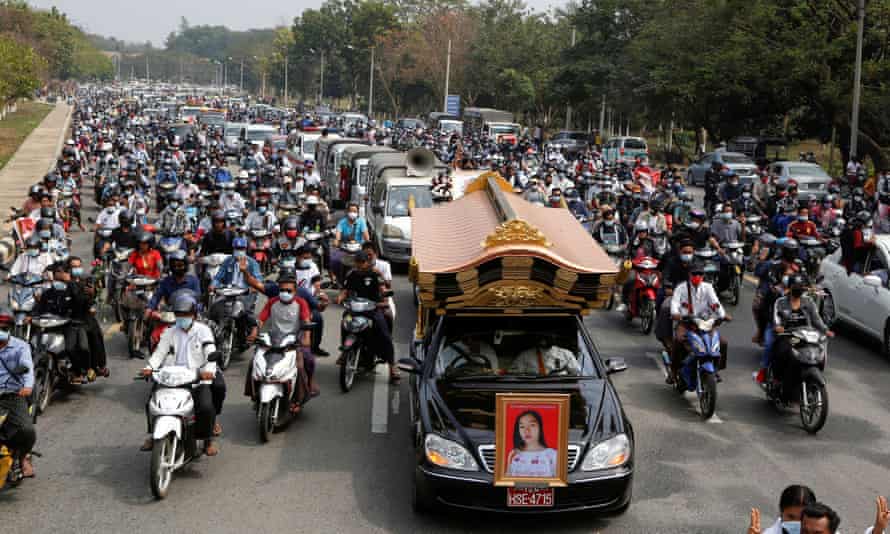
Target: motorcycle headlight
393,232
446,453
613,452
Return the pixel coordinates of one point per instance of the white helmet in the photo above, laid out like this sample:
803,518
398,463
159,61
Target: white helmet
243,174
312,200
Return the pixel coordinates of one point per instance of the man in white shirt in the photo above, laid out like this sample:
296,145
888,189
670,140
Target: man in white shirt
32,261
307,273
693,298
190,343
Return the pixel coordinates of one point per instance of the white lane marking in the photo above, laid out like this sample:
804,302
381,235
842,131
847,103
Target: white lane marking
690,397
379,408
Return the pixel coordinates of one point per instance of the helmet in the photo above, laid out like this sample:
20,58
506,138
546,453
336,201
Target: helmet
146,237
34,191
312,200
239,242
696,213
797,280
185,303
291,223
7,318
124,218
287,276
641,226
178,255
218,215
243,174
790,249
863,217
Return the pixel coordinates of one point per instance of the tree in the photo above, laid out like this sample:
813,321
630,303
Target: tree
20,75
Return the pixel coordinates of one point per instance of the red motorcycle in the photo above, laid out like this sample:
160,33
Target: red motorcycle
641,302
259,246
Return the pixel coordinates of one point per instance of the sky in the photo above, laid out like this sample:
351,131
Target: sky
152,20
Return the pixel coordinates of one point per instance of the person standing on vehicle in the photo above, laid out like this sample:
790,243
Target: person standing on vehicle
364,282
16,384
189,343
693,298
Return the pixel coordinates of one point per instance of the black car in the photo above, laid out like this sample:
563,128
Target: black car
457,372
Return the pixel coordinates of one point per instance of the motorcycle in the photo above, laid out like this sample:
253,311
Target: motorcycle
10,468
259,246
22,298
356,355
708,256
211,263
277,380
172,413
699,369
231,308
616,253
803,380
169,244
52,364
735,269
641,302
753,230
141,288
117,275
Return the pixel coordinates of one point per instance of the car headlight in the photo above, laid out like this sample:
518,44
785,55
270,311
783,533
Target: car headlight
446,453
393,232
613,452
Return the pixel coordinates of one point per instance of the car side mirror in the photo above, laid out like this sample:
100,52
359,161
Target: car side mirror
615,365
872,280
409,365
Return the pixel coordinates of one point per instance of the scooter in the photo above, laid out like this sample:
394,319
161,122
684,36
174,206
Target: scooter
803,380
641,302
708,256
356,355
141,288
226,330
10,468
172,413
735,269
52,364
616,253
699,370
22,299
277,381
116,283
211,263
259,248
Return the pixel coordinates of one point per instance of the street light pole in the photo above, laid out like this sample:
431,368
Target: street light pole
857,83
285,81
569,107
241,82
225,74
447,76
321,82
371,86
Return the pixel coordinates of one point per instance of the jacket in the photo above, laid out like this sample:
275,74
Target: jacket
229,272
199,343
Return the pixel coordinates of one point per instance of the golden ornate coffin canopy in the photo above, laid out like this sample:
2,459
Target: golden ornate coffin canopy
492,251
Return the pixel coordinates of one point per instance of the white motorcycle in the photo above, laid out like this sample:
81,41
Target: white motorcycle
277,380
172,412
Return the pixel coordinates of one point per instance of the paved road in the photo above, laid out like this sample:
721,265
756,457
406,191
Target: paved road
345,465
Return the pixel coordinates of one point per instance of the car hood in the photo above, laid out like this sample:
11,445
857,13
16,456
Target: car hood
595,411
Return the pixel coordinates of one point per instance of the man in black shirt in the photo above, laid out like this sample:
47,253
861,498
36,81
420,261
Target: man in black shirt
67,299
123,236
218,240
364,282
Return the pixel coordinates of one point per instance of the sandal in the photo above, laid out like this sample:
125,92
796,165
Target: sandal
210,449
296,408
91,375
148,445
217,429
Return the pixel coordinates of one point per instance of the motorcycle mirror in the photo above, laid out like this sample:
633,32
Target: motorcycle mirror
214,356
309,325
20,370
615,365
409,365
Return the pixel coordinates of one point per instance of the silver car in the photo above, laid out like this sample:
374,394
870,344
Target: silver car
811,178
735,161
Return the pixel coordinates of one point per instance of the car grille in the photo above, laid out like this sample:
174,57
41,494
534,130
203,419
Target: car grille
487,453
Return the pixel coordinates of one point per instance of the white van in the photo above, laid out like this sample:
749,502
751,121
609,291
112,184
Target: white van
625,150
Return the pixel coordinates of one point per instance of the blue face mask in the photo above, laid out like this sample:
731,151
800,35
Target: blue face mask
685,258
33,252
262,210
77,272
240,253
285,297
801,218
45,234
184,322
174,205
791,527
4,336
59,285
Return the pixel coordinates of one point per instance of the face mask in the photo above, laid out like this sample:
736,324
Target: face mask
726,216
746,195
734,184
77,272
791,527
694,225
696,279
352,215
174,205
4,336
33,252
262,210
240,253
609,222
802,218
184,322
59,285
285,297
685,258
45,234
764,179
178,271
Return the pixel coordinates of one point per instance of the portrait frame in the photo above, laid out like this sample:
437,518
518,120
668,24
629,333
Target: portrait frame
554,410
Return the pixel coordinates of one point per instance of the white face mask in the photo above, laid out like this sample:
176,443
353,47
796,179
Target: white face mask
352,215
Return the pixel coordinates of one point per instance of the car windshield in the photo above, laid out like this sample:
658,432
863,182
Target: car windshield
258,135
451,126
233,131
736,158
505,129
808,171
513,347
397,204
635,144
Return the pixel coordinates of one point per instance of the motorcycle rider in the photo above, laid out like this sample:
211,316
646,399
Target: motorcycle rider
17,431
219,239
32,261
98,359
178,280
123,237
67,299
725,230
229,199
695,298
231,274
712,182
174,219
731,191
190,343
262,218
364,282
350,228
145,259
790,311
608,230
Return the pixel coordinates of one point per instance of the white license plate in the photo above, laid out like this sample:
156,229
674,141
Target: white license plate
529,497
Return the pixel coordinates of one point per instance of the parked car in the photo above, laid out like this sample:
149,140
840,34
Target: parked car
811,178
734,161
570,142
860,300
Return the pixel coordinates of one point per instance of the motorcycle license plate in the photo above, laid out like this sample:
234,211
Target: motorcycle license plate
529,497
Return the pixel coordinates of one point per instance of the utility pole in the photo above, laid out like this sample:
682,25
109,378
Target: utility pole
371,87
569,107
225,74
285,81
603,118
147,71
241,83
321,81
447,76
180,69
857,83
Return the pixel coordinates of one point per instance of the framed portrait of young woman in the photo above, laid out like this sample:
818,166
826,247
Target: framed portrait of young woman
531,446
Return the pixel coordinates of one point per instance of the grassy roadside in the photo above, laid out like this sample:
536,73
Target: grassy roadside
16,127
